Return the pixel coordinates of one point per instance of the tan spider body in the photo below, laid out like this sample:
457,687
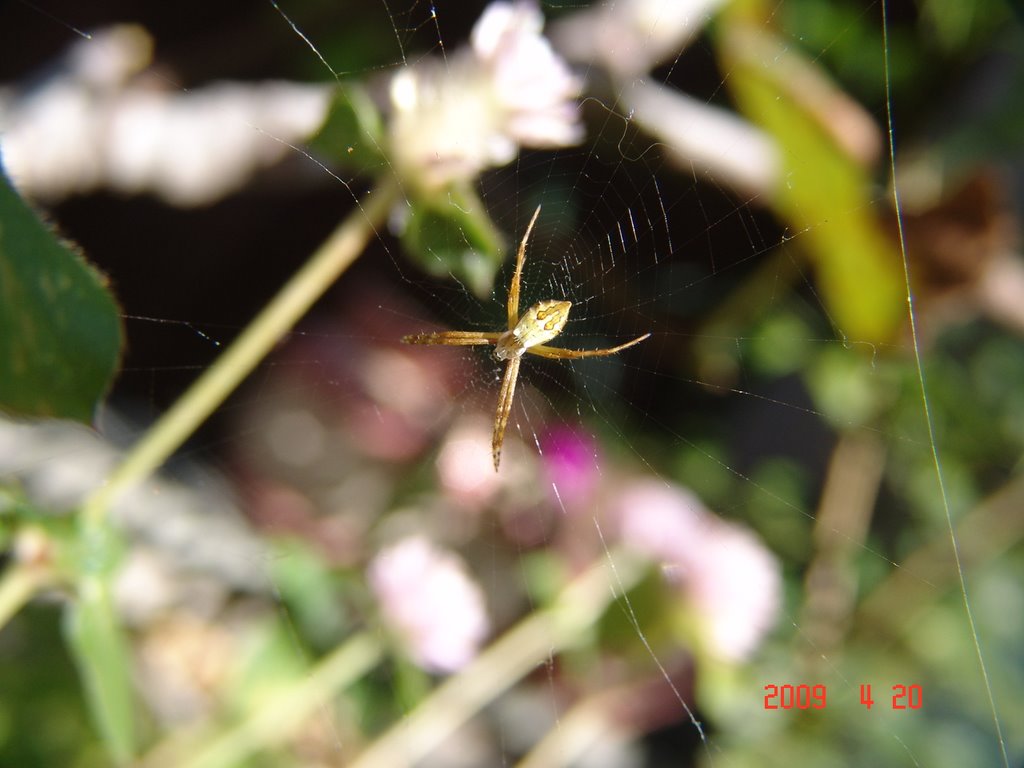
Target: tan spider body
542,322
539,324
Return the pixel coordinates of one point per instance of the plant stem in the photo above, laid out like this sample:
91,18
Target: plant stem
519,651
19,585
277,720
259,337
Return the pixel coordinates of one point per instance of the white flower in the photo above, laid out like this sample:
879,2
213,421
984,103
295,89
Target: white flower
530,81
631,37
429,600
452,120
729,577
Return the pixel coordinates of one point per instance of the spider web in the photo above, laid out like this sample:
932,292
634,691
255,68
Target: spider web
860,465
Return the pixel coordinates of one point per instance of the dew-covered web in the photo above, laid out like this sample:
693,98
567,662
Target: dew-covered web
784,529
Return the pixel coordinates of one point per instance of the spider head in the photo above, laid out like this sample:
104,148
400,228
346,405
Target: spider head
508,346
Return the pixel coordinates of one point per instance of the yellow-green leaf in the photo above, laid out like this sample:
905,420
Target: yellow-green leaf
823,194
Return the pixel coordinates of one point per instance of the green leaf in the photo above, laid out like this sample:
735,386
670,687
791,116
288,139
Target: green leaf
308,587
98,647
60,333
353,133
449,233
846,388
823,193
269,664
455,237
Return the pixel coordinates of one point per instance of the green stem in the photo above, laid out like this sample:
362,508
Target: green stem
245,353
529,644
285,712
19,585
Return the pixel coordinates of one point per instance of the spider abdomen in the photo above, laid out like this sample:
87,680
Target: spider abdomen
539,324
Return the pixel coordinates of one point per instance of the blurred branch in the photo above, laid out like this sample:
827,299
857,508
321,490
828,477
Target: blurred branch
284,712
529,644
993,527
98,122
19,585
593,723
631,37
705,139
844,514
259,337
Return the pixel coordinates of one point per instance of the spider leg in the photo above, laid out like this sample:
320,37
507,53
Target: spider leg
508,388
517,276
452,338
558,353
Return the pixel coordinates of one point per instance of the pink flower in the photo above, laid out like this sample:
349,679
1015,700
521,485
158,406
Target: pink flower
660,520
732,581
570,465
464,465
428,599
736,583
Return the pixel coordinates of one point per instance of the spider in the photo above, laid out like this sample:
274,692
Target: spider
541,323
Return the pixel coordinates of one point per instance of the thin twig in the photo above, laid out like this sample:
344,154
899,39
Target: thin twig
519,651
286,711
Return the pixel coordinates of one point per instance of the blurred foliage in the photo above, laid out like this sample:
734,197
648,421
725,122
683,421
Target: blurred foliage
446,233
455,238
823,193
353,133
310,587
828,356
60,344
60,335
95,637
40,687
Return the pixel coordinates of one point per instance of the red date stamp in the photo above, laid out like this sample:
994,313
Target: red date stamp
794,696
816,696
